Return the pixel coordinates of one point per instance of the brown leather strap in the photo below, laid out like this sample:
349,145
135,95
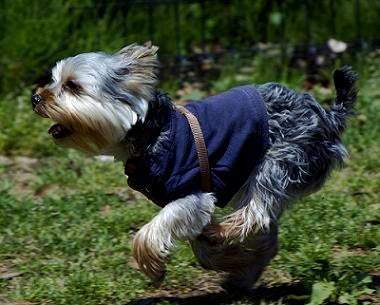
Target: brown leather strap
200,146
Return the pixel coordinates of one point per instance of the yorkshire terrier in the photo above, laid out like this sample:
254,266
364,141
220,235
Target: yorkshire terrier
266,146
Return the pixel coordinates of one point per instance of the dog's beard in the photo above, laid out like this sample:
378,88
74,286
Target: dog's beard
87,124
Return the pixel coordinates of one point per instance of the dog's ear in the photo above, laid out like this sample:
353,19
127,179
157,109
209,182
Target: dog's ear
135,51
138,59
136,66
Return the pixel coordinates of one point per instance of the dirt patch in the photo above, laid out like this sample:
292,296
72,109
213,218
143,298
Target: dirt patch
4,301
7,274
5,161
272,276
19,174
340,253
20,178
126,194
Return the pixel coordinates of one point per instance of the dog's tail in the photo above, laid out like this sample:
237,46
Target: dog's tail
346,93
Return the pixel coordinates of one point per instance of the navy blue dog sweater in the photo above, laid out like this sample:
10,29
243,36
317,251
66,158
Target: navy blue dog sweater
235,128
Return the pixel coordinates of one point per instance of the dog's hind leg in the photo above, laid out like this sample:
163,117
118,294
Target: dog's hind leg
261,248
243,263
184,218
260,202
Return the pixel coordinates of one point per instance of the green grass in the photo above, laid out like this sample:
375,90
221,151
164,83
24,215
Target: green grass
66,223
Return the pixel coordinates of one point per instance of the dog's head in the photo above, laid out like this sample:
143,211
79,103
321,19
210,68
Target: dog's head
95,98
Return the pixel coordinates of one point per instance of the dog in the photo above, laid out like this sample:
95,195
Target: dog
276,146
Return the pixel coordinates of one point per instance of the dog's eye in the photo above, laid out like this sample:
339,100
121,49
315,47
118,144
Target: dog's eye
72,85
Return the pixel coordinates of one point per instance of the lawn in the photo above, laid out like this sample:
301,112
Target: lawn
67,221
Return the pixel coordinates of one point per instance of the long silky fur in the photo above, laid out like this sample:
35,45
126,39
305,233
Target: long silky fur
305,146
117,102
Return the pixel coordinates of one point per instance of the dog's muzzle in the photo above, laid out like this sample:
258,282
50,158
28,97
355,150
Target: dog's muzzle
36,99
58,131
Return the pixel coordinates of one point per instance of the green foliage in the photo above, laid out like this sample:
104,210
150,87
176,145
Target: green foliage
321,292
346,290
35,34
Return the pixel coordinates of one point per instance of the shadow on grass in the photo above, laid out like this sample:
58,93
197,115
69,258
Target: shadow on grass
294,294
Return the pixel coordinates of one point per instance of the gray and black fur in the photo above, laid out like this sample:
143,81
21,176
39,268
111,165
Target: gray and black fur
305,146
305,139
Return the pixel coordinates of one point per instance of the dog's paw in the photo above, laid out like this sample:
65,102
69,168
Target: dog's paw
150,254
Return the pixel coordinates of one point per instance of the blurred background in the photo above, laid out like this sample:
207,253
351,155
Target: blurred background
193,35
66,220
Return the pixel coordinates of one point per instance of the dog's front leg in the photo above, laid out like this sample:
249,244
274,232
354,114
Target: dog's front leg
183,218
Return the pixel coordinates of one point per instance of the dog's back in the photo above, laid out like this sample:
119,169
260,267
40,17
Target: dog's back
305,146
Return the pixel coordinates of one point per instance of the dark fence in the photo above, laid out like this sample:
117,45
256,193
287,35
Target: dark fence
273,13
269,27
193,35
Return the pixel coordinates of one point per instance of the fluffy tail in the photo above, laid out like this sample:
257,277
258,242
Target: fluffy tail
346,93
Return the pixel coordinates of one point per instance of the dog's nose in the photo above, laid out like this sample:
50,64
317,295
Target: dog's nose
36,99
